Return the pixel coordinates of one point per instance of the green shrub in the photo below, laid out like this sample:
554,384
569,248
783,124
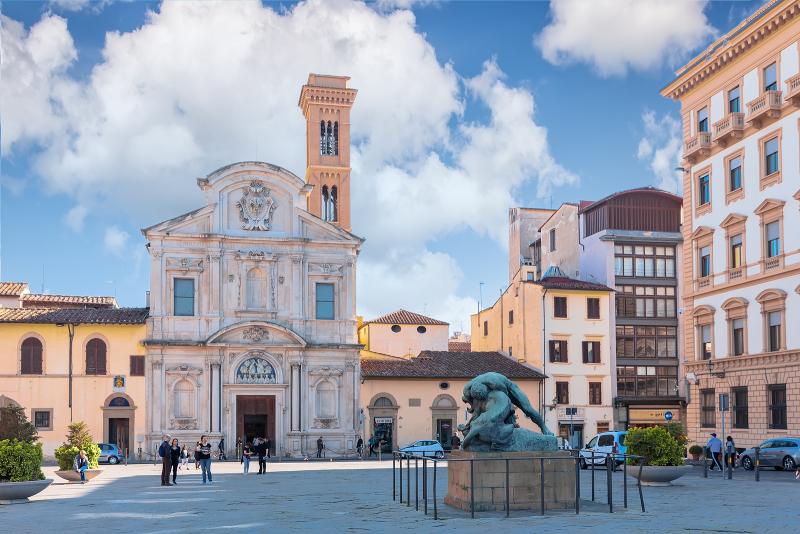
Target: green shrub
695,450
78,438
677,431
20,461
656,444
15,425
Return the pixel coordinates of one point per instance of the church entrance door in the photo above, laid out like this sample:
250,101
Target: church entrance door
255,417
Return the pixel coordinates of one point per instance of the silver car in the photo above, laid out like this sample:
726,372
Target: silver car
780,453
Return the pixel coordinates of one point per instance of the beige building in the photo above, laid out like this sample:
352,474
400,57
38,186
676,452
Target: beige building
739,103
403,333
76,364
560,327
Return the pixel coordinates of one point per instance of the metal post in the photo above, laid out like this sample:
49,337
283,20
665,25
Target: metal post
472,488
758,463
639,482
609,490
541,485
435,510
729,465
408,481
401,476
394,479
425,482
592,476
577,484
508,493
416,484
625,480
705,463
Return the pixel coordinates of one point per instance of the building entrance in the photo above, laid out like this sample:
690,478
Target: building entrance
444,432
118,432
255,417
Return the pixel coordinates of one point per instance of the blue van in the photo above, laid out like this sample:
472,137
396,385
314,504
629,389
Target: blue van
602,445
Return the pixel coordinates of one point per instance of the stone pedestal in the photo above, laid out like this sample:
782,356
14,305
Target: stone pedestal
524,476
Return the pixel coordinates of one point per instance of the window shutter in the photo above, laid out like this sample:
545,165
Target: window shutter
585,352
564,355
552,350
596,351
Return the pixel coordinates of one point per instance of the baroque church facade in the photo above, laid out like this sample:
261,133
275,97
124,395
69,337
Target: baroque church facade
252,328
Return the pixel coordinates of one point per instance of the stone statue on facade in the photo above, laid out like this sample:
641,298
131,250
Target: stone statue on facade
493,425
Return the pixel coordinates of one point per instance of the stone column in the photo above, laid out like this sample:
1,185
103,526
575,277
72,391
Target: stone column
294,403
156,401
216,425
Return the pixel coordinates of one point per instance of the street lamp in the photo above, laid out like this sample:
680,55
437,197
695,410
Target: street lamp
71,332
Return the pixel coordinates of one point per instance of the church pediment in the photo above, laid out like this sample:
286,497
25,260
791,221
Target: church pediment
194,222
316,229
257,333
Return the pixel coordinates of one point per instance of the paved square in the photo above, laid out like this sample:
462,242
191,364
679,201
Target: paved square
356,497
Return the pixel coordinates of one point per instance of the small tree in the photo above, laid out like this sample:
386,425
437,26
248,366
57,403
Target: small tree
656,444
78,438
677,431
15,425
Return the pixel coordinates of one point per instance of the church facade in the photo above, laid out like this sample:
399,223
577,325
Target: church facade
252,328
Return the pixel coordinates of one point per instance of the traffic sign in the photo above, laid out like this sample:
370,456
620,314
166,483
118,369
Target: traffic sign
668,416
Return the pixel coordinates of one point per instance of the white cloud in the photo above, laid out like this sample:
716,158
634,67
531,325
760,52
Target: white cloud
203,84
116,240
75,217
616,35
661,148
80,5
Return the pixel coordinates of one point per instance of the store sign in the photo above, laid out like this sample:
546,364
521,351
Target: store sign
119,384
383,420
652,415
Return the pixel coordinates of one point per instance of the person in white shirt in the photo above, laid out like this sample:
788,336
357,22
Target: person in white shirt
714,446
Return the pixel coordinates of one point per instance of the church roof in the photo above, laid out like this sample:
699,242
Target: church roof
74,315
459,346
405,317
562,282
447,364
37,300
12,289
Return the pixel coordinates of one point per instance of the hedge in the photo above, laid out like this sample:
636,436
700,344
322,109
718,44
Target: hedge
20,461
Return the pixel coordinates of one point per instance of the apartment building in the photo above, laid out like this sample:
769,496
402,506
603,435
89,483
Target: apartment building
740,106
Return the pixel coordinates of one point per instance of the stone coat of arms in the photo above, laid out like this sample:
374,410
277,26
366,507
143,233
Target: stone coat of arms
256,207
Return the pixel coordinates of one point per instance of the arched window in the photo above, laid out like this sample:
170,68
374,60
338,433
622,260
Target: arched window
445,402
31,355
383,402
326,400
331,140
323,139
96,357
183,400
325,198
256,289
118,402
333,214
335,143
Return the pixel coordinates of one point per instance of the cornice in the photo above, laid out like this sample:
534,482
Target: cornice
733,363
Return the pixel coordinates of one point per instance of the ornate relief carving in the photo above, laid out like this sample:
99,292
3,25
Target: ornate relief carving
256,207
273,272
183,424
185,264
255,371
255,334
325,422
325,268
326,371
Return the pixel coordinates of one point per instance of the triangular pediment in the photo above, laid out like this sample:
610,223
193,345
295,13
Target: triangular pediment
733,218
256,334
702,231
194,222
769,205
316,229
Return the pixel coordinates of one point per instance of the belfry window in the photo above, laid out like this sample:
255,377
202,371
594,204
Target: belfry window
329,138
329,201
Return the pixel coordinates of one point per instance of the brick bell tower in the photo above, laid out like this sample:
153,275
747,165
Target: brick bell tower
326,102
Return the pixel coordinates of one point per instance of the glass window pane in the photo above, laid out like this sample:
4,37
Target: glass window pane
772,231
325,301
775,318
771,146
770,78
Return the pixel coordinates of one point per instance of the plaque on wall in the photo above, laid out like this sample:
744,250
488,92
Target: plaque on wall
119,384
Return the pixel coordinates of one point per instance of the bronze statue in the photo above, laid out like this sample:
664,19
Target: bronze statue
493,425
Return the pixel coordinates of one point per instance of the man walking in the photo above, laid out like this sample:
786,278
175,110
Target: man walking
320,446
714,446
261,451
166,461
221,448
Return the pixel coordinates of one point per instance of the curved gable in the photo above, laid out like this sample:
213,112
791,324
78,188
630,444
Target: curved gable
262,333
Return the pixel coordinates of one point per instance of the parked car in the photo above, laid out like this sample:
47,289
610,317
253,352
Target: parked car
424,447
780,453
602,445
109,453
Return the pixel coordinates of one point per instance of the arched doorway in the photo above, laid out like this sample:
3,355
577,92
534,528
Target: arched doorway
383,420
119,412
444,414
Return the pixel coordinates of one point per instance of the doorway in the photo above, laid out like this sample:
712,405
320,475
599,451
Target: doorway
255,417
444,432
118,432
574,434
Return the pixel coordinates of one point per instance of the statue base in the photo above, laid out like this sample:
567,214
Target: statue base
524,476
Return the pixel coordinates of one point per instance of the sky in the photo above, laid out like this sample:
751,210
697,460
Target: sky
111,109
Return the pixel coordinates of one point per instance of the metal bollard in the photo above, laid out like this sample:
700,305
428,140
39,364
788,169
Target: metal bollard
625,480
416,484
508,493
758,463
639,481
401,476
394,480
730,467
408,481
435,510
472,489
592,476
609,490
705,466
425,483
577,485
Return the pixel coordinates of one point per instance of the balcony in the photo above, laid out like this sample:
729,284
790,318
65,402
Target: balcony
697,147
793,90
766,106
737,273
705,282
773,263
729,129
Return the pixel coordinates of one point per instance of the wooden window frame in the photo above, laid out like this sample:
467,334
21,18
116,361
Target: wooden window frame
31,372
555,307
730,87
703,209
589,315
735,407
736,309
596,347
765,180
770,211
772,300
704,408
558,397
776,58
735,224
736,194
707,106
563,350
771,408
134,368
105,357
599,386
50,419
703,316
703,237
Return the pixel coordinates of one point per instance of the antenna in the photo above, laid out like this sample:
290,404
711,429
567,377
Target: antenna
42,291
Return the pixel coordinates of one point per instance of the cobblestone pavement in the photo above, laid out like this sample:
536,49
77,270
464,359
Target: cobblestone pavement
356,497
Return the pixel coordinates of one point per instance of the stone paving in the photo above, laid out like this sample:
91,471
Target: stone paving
323,497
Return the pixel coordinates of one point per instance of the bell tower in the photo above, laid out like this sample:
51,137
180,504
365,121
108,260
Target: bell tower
326,102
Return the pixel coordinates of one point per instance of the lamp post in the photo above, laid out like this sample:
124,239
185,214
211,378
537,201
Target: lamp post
71,332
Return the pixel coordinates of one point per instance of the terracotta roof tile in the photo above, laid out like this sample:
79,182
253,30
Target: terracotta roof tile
557,282
447,364
459,346
34,300
12,289
405,317
74,315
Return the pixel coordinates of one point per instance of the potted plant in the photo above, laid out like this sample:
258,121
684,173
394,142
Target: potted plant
20,457
78,439
695,451
663,455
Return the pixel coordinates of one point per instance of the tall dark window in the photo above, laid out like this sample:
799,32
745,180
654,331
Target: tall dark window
31,355
736,251
552,239
591,352
644,261
323,138
777,405
771,78
42,419
739,407
771,164
735,173
560,307
325,301
702,120
647,342
511,317
558,351
183,289
737,333
137,365
704,190
96,357
772,233
595,393
708,408
645,301
562,392
647,381
593,308
705,261
705,342
485,328
774,332
733,100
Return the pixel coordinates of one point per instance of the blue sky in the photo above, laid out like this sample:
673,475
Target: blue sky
456,80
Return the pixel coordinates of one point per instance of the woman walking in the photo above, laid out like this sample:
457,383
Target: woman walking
81,464
196,457
204,456
246,453
175,458
184,458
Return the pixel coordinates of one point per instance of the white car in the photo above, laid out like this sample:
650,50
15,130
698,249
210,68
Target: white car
424,447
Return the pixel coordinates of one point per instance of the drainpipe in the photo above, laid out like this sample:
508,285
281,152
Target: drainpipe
544,350
71,332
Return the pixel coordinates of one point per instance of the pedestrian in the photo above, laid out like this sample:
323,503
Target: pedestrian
204,456
175,459
455,443
184,458
166,461
246,457
730,452
81,464
320,446
360,446
196,457
239,449
371,444
714,446
221,448
268,447
261,451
